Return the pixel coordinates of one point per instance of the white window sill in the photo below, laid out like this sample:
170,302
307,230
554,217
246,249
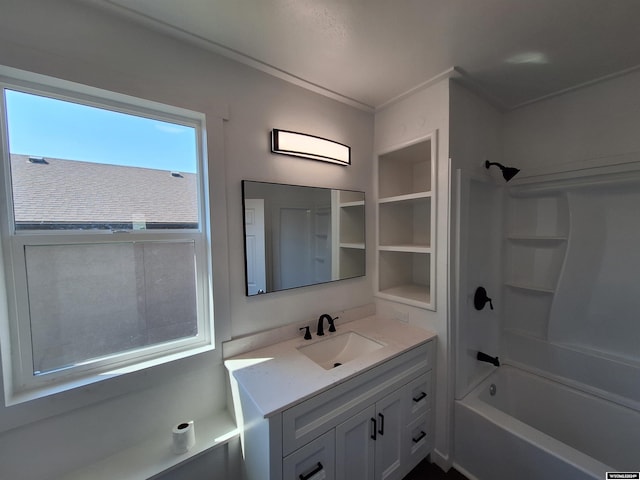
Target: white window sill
154,456
14,398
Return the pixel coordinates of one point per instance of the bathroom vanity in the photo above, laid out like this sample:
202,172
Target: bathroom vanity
369,417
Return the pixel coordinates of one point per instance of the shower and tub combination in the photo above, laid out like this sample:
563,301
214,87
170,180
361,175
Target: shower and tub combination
559,257
535,428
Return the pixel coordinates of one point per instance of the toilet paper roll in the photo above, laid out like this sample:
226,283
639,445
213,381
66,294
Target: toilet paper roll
184,437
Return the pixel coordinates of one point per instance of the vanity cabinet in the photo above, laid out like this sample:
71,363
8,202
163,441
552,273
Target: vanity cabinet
388,439
314,459
406,223
374,425
355,449
368,446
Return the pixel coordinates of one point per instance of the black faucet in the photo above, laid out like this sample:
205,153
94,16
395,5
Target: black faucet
483,357
307,333
332,327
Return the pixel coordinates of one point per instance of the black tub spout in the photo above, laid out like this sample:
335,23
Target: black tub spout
483,357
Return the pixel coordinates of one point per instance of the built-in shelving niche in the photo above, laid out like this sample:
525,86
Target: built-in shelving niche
322,243
406,223
351,258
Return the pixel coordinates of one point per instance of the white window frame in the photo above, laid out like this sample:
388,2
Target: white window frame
15,331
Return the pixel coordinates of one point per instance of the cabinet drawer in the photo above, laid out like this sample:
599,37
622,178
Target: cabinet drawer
417,441
417,398
312,461
309,419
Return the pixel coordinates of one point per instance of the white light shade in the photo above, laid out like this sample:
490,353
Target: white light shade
309,146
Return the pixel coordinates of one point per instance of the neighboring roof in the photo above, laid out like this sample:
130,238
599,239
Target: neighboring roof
72,192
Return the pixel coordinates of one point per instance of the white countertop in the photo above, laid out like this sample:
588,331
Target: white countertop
278,376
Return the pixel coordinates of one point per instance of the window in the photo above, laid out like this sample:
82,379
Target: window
104,236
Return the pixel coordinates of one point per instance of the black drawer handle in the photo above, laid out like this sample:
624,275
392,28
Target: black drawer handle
373,435
419,397
419,437
381,429
311,473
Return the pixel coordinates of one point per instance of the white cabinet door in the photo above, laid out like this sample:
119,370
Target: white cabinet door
314,461
389,428
355,446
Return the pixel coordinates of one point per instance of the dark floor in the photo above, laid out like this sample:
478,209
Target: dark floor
430,471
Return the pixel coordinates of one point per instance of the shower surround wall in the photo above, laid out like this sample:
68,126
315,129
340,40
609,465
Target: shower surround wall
475,233
556,248
571,294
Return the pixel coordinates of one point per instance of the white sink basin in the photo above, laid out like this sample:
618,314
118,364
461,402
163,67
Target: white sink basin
339,349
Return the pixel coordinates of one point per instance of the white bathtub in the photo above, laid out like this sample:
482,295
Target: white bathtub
534,428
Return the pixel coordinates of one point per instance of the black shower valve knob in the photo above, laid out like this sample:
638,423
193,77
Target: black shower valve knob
480,299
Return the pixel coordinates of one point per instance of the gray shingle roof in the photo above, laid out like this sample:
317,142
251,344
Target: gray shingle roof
72,192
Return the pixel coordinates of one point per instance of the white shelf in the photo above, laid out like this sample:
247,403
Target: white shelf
536,238
410,197
154,456
417,295
359,203
406,224
533,288
405,248
357,246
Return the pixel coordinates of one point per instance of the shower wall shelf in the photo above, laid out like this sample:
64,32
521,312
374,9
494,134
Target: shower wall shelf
357,203
533,288
536,243
404,248
406,223
405,198
355,246
536,238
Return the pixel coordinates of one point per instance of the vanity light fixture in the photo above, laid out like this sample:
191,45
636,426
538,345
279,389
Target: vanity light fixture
303,145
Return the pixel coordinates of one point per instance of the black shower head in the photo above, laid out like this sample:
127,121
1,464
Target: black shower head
507,172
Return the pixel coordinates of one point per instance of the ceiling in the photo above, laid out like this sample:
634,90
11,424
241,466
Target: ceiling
370,52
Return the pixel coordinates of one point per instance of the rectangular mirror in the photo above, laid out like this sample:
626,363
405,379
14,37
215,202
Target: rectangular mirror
297,236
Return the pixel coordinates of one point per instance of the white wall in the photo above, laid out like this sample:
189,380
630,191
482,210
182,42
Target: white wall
475,235
588,329
413,117
469,132
476,232
593,125
475,133
72,41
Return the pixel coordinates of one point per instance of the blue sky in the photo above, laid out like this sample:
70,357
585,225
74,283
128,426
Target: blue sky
52,128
